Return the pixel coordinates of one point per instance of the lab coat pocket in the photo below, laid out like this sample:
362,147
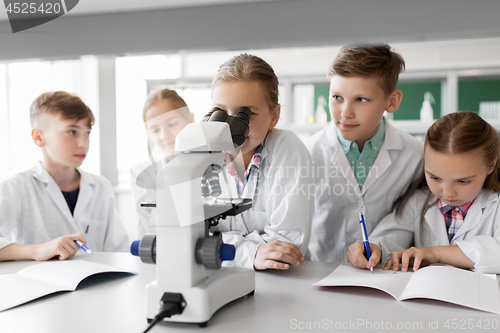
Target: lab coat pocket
95,232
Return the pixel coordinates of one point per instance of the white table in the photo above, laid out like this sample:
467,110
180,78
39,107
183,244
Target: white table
283,301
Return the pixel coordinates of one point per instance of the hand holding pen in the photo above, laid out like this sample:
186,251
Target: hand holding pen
62,247
83,246
363,254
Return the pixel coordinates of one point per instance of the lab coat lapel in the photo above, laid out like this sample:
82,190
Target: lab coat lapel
392,142
54,192
475,214
339,158
85,194
435,221
382,163
251,185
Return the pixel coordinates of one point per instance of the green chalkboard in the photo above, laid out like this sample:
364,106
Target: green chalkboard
413,96
473,91
322,91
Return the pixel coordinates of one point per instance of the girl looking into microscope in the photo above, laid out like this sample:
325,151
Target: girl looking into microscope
274,233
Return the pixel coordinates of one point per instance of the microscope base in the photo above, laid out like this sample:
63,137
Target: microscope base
205,298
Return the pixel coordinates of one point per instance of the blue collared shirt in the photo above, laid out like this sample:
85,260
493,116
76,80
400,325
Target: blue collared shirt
361,162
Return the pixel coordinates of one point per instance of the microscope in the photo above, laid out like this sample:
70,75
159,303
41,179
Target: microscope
190,284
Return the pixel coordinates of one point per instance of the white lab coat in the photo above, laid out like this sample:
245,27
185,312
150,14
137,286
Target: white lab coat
339,200
33,211
281,208
478,237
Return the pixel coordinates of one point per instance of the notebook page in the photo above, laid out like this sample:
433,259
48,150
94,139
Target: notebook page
456,286
16,289
68,273
391,282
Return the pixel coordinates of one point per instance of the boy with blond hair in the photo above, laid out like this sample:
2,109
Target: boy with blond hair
45,210
362,164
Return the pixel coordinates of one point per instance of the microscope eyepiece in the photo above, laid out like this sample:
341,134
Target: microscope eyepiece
243,114
219,115
238,123
209,114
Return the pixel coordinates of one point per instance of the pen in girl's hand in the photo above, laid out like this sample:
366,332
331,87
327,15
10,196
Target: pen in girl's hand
83,247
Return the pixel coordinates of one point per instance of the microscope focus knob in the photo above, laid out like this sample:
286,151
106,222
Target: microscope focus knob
145,248
227,252
207,252
210,252
134,248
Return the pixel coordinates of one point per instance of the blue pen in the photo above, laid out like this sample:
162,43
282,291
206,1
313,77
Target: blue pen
368,252
83,247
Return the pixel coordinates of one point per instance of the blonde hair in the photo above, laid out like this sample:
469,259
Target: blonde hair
367,61
246,67
168,95
62,103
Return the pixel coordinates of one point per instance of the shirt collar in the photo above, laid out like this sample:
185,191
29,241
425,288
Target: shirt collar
40,173
254,162
375,142
256,159
444,208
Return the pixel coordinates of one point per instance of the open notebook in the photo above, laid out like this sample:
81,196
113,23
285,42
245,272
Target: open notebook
444,283
43,279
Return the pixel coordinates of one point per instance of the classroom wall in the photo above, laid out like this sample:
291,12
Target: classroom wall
253,25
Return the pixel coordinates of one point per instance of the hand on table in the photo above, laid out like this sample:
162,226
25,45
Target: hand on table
277,255
415,256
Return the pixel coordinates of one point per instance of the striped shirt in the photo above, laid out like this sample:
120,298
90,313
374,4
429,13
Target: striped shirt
254,165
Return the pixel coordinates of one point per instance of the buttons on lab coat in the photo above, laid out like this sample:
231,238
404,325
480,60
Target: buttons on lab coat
360,203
